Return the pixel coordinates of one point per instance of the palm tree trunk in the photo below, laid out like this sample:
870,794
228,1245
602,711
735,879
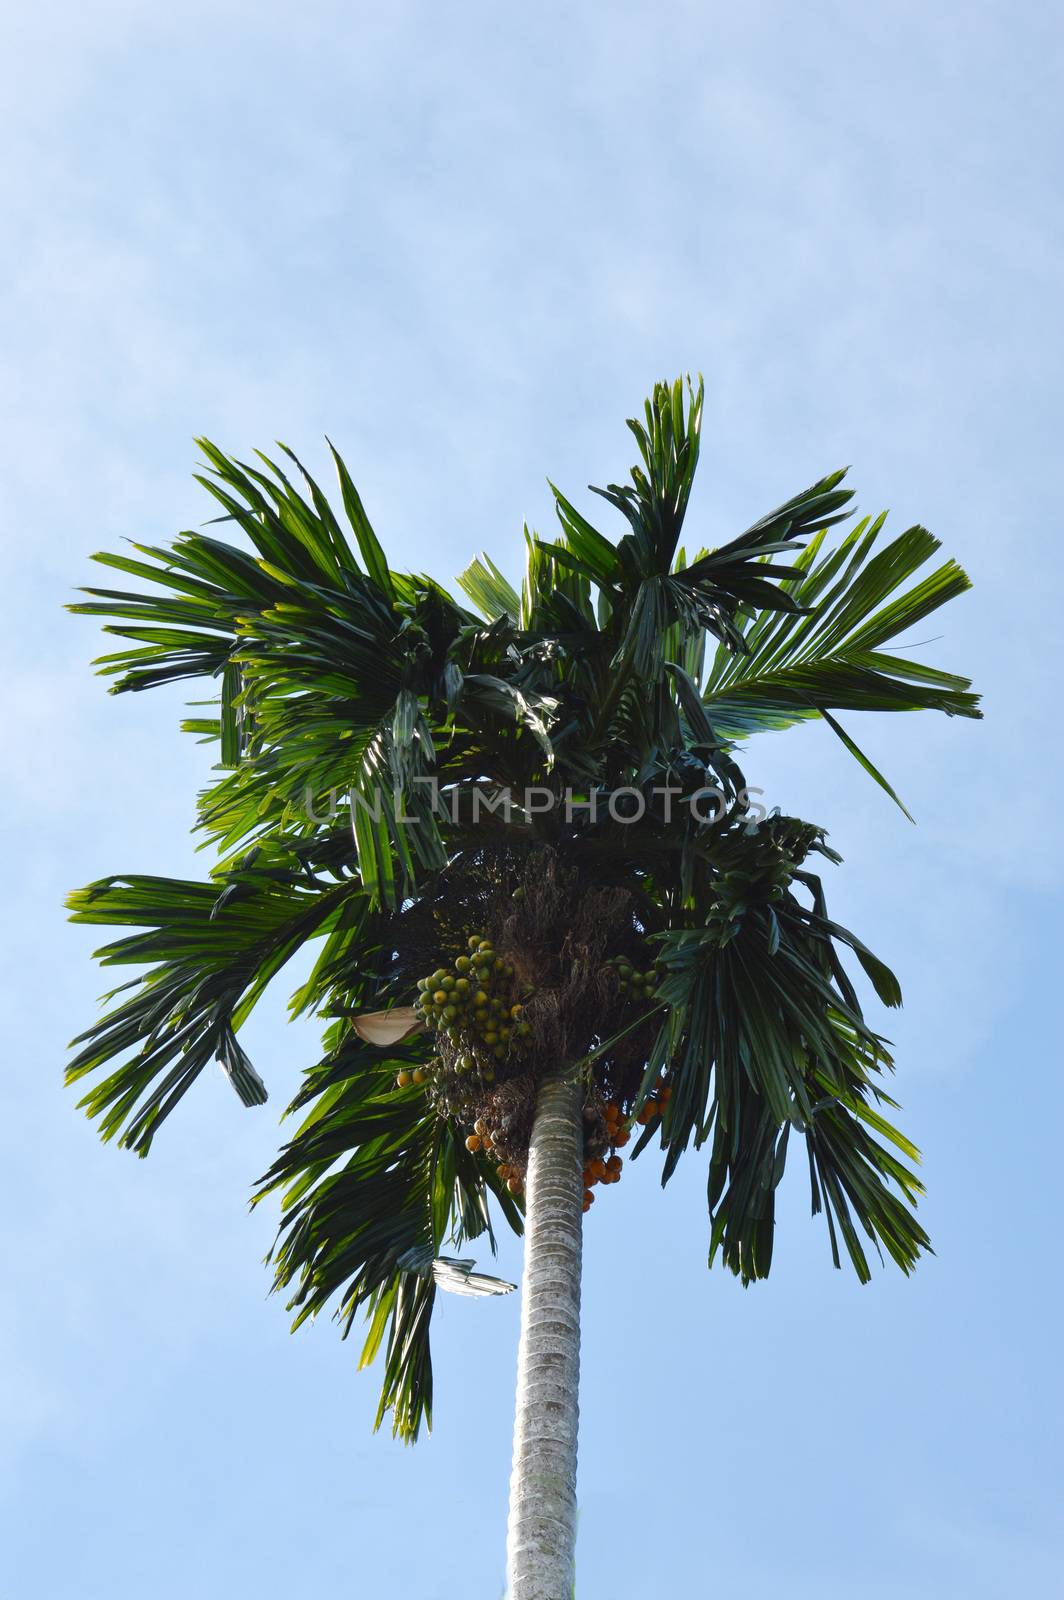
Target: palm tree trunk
542,1531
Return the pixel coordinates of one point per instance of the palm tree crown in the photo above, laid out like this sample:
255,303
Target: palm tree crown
520,825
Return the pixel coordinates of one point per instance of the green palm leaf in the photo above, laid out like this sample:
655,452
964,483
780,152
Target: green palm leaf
826,656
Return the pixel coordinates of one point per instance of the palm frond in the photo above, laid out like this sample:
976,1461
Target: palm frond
209,950
489,591
825,655
766,1040
372,1185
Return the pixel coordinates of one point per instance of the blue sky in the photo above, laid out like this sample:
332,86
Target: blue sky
465,241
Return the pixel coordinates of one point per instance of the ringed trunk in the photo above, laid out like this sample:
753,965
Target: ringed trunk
541,1540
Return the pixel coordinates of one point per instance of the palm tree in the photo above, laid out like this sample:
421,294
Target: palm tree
547,917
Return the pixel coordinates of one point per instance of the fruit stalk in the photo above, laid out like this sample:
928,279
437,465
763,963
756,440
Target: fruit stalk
541,1540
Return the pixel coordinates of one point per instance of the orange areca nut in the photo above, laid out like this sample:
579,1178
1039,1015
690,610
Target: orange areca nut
622,1137
473,1142
614,1164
